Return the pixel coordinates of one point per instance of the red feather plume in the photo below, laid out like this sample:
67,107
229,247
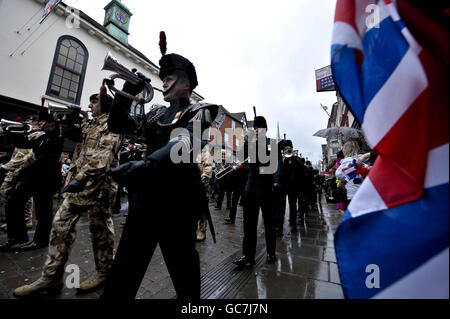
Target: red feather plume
162,42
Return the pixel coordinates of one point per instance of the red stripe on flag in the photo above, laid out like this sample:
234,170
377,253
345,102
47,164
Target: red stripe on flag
406,144
391,184
345,12
432,33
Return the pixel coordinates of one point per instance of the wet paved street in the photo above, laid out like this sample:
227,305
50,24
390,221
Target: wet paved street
306,265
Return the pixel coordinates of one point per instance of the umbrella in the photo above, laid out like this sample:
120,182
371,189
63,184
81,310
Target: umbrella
342,132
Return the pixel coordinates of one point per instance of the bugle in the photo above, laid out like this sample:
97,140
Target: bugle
7,126
63,113
122,72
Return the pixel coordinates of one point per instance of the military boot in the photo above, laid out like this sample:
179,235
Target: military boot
95,281
43,284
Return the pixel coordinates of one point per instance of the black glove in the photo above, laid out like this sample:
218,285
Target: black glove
126,173
3,173
18,177
205,180
74,108
276,187
74,186
135,89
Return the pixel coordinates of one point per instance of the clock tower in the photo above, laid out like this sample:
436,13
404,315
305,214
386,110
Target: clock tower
117,20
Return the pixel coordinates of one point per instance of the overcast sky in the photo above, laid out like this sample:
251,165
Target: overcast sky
247,53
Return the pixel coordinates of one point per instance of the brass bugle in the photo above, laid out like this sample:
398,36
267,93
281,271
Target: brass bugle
122,72
14,127
61,113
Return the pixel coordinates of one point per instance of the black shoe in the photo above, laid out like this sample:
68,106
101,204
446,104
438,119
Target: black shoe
9,245
243,262
31,246
271,259
229,221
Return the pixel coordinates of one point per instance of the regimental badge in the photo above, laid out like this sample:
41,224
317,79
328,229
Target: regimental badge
177,117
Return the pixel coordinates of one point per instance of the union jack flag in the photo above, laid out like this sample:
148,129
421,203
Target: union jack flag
390,63
51,4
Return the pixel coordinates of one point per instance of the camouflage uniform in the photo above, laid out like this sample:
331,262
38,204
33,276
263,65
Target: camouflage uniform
204,160
92,158
21,157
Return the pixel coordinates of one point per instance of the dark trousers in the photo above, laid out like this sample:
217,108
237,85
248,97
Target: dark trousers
293,199
15,213
221,195
280,209
237,194
251,214
174,230
302,203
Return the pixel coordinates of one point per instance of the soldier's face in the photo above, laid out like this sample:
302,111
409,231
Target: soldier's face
95,108
174,88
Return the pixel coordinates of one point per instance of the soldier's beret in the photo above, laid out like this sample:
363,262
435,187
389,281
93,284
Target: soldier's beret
170,63
260,122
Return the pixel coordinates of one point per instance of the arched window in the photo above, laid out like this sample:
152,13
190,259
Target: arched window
68,70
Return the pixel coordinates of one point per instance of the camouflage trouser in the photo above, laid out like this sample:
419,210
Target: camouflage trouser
204,221
63,235
5,191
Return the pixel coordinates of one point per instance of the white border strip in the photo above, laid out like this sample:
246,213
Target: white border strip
345,34
428,281
437,167
389,104
366,200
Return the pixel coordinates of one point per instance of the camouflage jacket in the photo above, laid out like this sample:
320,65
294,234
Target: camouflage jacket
21,157
204,160
98,151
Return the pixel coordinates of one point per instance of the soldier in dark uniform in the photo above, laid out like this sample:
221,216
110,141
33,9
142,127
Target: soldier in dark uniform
165,198
258,194
224,188
41,178
238,179
292,175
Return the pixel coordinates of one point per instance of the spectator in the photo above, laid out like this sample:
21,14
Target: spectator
351,170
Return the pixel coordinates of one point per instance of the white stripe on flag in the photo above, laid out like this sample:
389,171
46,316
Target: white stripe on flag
345,34
437,167
387,107
366,200
429,281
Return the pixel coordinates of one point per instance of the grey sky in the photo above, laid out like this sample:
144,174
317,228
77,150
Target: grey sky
247,53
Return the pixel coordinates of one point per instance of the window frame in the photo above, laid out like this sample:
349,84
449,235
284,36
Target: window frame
55,64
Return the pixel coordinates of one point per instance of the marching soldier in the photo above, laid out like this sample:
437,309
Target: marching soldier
205,164
292,179
258,194
89,189
21,157
238,179
40,179
166,199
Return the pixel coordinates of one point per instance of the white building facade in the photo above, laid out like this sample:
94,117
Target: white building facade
61,59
